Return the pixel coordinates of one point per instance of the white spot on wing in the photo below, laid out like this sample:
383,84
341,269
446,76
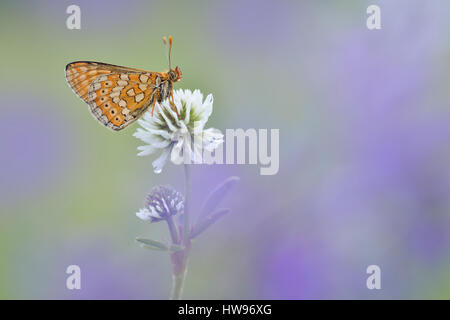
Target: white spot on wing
139,97
143,78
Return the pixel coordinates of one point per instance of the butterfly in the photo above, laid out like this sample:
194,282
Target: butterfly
117,96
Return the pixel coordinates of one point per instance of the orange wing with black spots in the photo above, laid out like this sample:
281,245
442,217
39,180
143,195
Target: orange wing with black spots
81,74
117,100
116,95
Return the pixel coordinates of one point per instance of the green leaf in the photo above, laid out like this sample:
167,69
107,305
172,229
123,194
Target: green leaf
217,195
152,244
205,222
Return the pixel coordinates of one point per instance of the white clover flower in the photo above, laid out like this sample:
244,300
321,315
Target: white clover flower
182,136
161,203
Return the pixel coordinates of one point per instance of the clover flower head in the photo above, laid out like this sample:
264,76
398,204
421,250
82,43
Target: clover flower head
181,134
161,203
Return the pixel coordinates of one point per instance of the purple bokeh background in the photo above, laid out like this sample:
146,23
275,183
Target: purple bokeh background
364,158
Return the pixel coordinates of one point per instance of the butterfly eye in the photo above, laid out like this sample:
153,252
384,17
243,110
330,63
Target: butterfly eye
172,75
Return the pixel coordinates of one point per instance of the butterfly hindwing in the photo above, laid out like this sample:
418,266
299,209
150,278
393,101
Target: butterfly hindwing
117,100
117,95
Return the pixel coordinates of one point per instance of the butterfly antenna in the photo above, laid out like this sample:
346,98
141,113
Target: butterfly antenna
168,45
170,51
167,50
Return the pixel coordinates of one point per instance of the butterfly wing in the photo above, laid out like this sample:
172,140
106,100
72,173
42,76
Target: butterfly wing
80,74
117,100
116,95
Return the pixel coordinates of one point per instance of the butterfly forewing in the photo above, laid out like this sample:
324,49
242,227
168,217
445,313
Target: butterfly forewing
116,95
79,76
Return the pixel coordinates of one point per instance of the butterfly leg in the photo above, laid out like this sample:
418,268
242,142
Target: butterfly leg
153,106
172,103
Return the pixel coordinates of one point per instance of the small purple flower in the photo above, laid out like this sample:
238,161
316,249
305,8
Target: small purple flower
161,203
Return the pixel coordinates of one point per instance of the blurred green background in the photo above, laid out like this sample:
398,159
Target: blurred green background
364,150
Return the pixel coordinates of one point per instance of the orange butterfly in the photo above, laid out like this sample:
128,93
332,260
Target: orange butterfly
118,96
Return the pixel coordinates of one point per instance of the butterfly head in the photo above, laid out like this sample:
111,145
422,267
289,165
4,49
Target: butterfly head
175,74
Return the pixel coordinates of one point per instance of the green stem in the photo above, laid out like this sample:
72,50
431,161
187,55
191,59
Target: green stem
187,200
177,290
180,258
